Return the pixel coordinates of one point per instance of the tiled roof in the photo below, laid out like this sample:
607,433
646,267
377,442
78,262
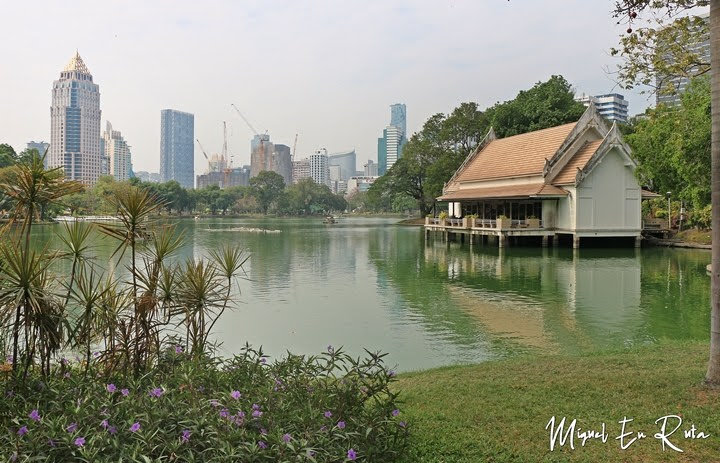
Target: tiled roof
578,161
516,156
514,191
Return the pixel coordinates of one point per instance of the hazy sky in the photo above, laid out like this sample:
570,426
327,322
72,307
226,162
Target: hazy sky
327,70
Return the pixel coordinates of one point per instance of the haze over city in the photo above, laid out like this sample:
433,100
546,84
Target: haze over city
327,71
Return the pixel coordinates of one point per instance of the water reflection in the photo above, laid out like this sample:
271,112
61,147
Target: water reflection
366,283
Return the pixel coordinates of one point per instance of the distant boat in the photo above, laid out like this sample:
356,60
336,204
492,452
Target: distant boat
329,220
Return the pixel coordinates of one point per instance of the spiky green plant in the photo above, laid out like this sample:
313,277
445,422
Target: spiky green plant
77,248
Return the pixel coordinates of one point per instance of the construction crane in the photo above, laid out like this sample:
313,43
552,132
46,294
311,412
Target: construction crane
204,153
292,156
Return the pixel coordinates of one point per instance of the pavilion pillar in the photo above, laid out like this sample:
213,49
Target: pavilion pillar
638,241
555,240
576,242
545,241
503,240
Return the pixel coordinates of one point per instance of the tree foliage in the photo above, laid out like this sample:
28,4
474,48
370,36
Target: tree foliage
672,146
432,155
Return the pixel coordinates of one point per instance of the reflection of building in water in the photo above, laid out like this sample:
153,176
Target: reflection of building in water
545,299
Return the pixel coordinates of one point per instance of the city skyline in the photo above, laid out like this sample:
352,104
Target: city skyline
361,80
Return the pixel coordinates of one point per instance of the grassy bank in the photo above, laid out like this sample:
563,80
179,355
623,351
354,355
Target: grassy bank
497,411
694,236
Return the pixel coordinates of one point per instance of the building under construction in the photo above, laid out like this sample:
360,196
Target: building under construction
238,176
264,155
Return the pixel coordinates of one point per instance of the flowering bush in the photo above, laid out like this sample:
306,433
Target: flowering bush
326,408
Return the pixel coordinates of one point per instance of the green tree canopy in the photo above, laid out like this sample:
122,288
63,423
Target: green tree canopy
267,187
8,156
672,146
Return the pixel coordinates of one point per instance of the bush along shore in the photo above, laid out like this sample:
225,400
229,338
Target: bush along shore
145,385
189,408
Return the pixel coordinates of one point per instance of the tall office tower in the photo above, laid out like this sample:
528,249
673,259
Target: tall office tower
346,161
117,153
300,170
398,117
75,124
41,147
261,150
394,137
319,168
177,147
701,50
282,162
612,106
370,169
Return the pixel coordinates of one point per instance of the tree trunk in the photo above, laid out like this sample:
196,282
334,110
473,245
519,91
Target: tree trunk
713,373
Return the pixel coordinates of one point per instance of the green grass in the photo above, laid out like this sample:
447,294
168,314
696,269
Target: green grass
497,411
694,236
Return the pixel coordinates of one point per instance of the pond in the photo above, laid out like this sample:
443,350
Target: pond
370,283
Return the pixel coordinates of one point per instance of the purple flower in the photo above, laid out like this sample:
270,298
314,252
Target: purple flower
224,413
34,415
72,428
112,430
51,443
80,441
262,444
257,413
235,395
125,392
323,429
286,437
185,435
66,375
391,373
328,414
330,349
157,392
14,457
395,412
214,403
22,431
263,431
111,388
64,361
135,427
402,424
178,349
341,425
104,424
255,407
263,360
351,455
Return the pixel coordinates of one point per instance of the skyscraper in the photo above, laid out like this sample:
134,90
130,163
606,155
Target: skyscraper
41,147
319,168
347,163
394,137
670,88
612,106
75,124
398,117
177,147
117,152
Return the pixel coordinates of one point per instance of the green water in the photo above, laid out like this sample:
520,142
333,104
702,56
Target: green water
368,283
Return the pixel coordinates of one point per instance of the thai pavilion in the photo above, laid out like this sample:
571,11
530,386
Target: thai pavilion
575,179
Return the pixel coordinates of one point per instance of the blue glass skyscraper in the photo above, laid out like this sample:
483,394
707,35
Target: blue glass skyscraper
177,147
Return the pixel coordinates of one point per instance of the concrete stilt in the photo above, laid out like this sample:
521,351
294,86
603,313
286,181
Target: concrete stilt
576,242
503,241
545,241
638,241
471,239
555,241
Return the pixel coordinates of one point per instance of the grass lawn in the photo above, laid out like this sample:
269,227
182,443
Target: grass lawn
497,411
694,236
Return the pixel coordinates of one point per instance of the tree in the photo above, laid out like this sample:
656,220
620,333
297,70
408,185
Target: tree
267,186
8,156
640,67
672,146
432,155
